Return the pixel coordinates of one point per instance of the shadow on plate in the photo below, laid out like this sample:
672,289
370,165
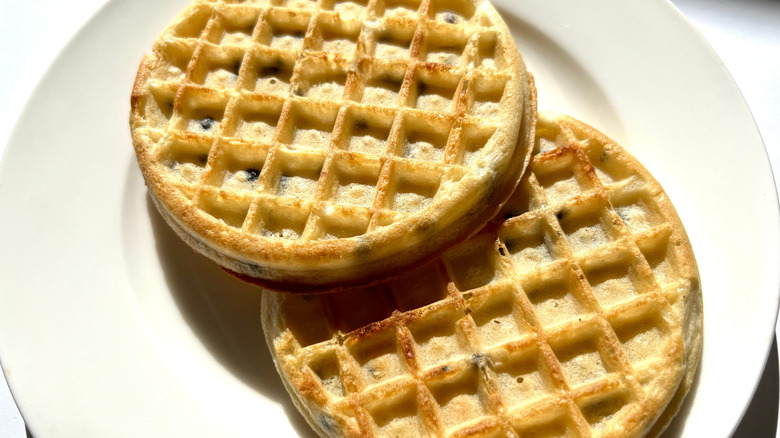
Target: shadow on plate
224,314
760,419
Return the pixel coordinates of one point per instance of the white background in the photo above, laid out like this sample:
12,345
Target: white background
745,33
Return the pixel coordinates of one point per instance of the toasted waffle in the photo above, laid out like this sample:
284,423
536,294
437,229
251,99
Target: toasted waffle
577,313
310,144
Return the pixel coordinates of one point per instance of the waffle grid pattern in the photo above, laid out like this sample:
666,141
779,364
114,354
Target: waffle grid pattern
563,320
315,120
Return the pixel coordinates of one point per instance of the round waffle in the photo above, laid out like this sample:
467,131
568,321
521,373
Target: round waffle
312,144
578,313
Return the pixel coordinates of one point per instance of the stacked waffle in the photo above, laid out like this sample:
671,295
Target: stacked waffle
379,150
313,145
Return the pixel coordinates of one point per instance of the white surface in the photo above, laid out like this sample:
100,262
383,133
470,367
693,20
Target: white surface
32,33
152,334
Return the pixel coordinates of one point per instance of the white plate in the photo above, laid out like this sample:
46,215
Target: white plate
110,326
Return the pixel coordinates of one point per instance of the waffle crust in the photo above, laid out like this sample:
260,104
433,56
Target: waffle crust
311,145
577,313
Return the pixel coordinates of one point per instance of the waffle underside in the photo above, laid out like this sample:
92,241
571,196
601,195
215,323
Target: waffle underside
577,315
326,135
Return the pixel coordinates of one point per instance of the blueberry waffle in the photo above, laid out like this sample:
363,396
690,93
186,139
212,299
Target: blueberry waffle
309,145
576,313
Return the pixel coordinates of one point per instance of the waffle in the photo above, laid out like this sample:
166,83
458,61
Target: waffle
577,313
311,144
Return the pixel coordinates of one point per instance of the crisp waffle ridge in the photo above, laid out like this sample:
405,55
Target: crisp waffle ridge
577,314
304,142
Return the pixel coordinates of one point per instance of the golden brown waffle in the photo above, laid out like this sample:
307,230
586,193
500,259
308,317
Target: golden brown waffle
577,314
309,144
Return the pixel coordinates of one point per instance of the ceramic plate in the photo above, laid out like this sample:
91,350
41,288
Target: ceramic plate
110,326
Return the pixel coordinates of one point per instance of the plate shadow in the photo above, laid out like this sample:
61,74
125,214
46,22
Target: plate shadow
224,314
760,419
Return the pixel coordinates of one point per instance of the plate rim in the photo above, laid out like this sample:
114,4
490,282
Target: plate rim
25,113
